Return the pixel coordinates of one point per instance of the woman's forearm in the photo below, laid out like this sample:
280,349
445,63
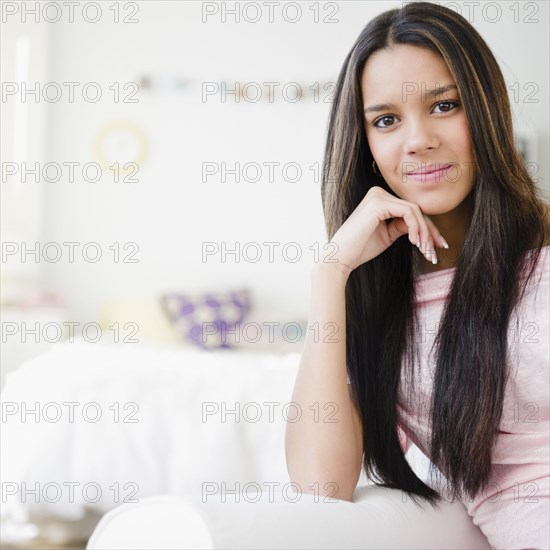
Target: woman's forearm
324,447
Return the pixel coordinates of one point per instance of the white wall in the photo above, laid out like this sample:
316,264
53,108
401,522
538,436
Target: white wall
24,56
170,212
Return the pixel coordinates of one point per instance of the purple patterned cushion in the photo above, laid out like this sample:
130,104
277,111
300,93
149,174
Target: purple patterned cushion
203,319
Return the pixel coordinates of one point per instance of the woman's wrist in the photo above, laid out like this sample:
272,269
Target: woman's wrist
332,270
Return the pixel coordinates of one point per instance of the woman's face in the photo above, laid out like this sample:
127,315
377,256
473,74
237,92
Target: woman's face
410,130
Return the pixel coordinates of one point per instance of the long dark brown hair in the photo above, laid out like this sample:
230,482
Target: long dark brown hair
507,220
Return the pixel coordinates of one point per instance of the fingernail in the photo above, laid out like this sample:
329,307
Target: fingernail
444,243
431,255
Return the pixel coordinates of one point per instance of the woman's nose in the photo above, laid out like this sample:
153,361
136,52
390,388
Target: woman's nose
420,137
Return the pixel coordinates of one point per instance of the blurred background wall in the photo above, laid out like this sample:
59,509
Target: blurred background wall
161,71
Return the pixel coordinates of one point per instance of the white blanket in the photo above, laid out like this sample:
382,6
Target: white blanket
161,428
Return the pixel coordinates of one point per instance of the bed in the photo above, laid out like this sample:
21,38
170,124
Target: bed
92,426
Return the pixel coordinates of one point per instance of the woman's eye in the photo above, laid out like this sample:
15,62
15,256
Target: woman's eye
454,104
375,123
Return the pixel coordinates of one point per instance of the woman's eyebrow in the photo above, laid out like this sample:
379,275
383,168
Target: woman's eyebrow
439,90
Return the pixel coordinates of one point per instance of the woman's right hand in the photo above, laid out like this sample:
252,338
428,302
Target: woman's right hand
366,234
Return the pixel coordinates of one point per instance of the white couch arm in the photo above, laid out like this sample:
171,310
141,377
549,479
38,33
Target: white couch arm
378,518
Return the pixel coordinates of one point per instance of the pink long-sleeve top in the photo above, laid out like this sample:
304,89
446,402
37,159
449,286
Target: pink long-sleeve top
514,512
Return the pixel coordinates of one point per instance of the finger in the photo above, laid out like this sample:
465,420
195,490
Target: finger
398,227
409,219
416,224
438,238
425,244
423,238
435,238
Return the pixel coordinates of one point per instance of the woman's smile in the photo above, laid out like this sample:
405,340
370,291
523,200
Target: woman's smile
432,176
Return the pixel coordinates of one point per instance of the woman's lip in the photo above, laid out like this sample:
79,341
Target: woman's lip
426,177
419,172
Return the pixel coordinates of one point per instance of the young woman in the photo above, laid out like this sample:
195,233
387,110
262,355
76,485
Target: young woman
438,279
